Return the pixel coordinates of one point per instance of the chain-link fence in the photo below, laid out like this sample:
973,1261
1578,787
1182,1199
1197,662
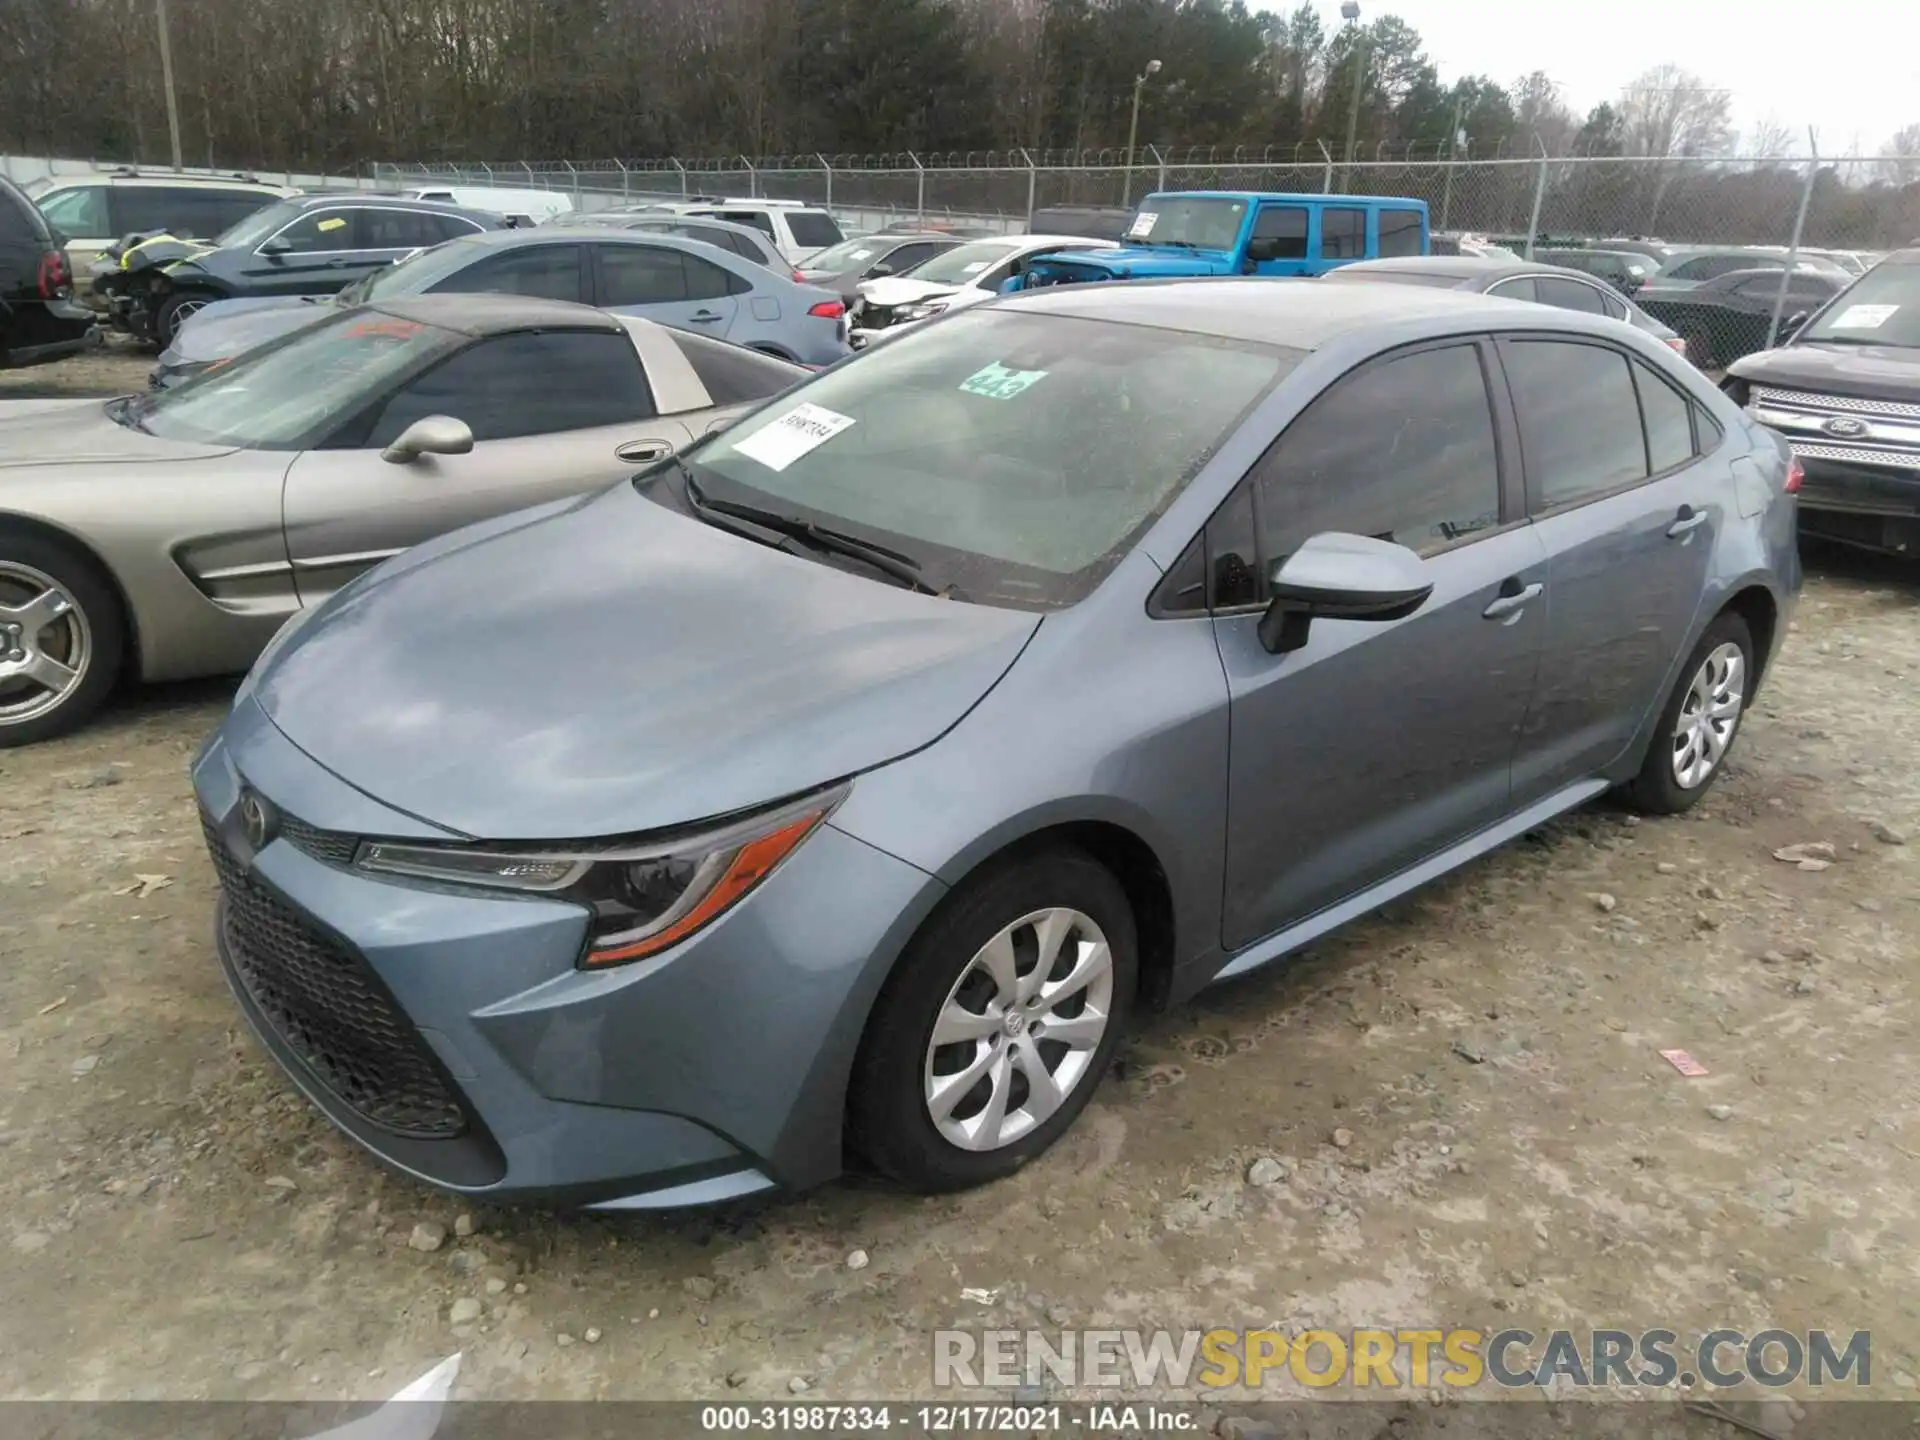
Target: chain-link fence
1846,204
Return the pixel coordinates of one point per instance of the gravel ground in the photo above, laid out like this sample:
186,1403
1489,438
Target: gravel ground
116,368
1464,1095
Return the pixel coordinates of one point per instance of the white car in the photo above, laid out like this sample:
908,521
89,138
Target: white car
963,276
529,207
798,231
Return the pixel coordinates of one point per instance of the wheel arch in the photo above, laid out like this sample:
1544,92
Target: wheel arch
1754,603
778,352
13,520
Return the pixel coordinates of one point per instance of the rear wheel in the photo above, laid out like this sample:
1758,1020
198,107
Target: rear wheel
1699,721
61,638
990,1036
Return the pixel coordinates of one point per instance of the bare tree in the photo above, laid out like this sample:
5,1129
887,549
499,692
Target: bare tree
1769,139
1902,165
1669,111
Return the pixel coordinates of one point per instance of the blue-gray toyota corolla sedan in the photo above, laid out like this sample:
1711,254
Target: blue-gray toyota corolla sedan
840,788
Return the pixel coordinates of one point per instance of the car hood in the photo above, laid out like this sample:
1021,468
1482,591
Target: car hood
81,434
1876,372
227,327
1143,262
638,670
894,290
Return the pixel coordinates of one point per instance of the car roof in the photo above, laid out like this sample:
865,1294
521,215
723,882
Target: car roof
385,197
490,314
1301,313
1462,265
1297,195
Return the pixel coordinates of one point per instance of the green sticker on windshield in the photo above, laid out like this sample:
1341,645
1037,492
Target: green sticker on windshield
996,382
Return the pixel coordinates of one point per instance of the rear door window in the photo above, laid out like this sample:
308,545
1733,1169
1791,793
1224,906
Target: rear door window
1400,233
1579,418
707,281
1343,233
640,275
378,228
1568,295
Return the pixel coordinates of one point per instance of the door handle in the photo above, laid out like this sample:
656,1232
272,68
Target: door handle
1690,519
1505,605
639,452
706,317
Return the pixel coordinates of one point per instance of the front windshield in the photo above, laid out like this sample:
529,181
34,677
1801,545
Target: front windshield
247,233
847,255
289,392
1882,307
964,264
1016,456
1192,222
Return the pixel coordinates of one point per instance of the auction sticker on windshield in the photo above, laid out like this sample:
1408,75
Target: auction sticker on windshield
1864,317
800,431
996,382
1142,224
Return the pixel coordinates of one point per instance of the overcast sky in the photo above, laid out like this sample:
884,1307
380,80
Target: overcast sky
1850,69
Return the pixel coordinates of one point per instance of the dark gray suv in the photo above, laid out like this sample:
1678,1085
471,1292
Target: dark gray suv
310,245
892,747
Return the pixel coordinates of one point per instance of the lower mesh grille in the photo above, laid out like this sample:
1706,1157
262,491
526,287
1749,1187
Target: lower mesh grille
331,1010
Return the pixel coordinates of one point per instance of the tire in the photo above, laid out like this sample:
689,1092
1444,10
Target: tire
1659,788
891,1122
91,628
173,313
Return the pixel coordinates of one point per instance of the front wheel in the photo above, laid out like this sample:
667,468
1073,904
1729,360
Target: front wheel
989,1038
1699,721
174,312
61,638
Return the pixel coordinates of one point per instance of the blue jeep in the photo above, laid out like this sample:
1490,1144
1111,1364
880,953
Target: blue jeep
1219,232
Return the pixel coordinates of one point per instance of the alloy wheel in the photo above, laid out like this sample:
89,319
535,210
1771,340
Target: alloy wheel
46,645
1709,715
1019,1029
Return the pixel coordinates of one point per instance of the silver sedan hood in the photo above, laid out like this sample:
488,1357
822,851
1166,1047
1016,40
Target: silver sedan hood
81,434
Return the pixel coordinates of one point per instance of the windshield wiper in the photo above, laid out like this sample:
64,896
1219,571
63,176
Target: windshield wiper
892,563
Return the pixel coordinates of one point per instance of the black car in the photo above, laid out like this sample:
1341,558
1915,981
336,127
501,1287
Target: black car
1625,270
868,257
1510,280
1728,316
1845,392
309,245
39,318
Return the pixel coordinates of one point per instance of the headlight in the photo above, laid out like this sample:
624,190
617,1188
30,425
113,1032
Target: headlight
924,311
643,897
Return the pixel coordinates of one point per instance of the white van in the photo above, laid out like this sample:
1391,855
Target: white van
529,207
798,230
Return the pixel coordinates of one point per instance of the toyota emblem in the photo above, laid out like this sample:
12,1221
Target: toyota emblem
1845,427
253,815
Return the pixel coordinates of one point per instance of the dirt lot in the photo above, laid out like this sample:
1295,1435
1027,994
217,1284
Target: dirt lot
1464,1095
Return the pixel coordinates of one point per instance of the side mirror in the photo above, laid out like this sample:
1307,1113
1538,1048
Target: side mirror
1340,577
1263,248
882,268
429,435
1794,323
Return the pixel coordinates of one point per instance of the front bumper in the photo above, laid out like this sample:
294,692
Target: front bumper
1871,505
450,1032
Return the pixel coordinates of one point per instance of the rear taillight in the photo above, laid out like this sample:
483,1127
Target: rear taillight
55,278
800,279
1796,472
829,309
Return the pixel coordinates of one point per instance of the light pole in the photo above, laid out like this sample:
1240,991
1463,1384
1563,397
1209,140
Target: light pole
166,80
1350,12
1133,127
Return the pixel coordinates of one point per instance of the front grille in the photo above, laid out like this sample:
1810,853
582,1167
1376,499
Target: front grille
1807,400
331,1010
328,846
1854,455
